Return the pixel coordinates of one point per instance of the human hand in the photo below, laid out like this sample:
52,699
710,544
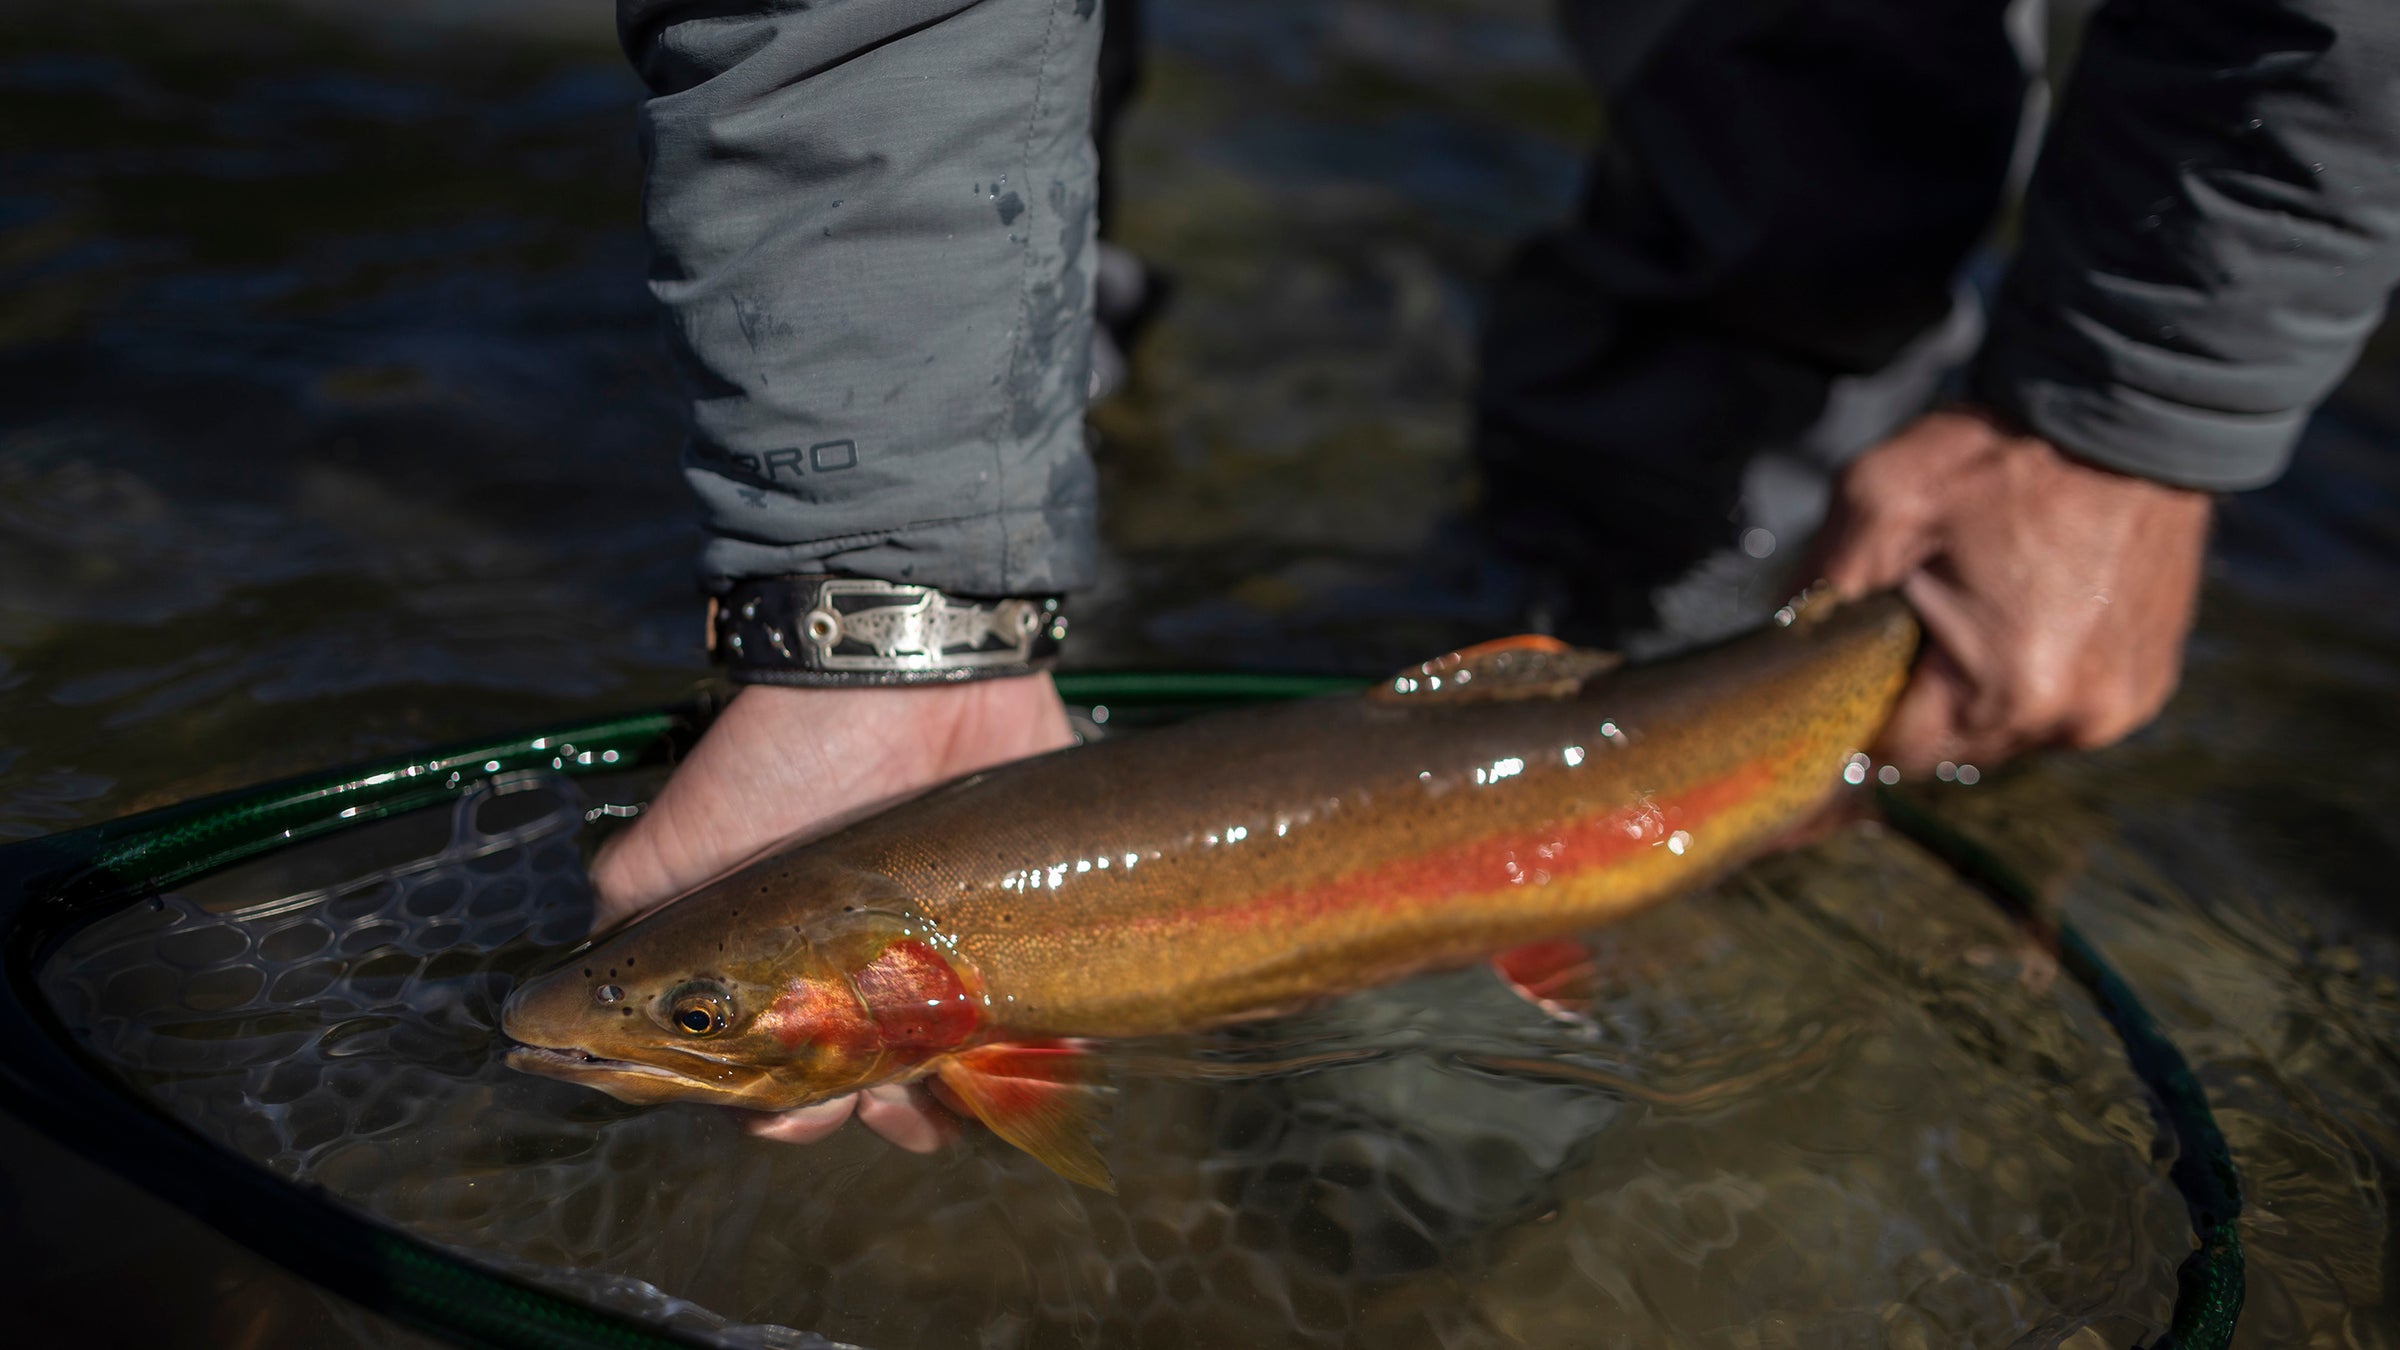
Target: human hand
2055,595
780,762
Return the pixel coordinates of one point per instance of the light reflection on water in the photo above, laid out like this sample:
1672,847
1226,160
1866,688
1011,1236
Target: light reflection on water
332,422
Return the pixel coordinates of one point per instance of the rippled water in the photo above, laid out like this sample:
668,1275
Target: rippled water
1928,1139
331,422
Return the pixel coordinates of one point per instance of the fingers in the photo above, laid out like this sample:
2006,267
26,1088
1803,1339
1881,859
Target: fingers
2120,708
903,1115
807,1125
1923,730
1864,550
907,1117
1885,519
1976,696
2055,596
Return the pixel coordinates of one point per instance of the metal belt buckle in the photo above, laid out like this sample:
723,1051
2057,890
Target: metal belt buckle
859,624
860,630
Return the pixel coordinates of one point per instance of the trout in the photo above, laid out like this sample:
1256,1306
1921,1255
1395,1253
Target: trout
1230,867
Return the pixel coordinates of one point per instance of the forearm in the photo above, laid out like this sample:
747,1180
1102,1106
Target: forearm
2210,238
871,232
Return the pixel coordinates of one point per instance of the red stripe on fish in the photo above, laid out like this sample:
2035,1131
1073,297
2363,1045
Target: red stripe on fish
1498,860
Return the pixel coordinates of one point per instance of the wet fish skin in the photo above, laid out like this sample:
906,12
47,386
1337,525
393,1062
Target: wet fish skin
1229,867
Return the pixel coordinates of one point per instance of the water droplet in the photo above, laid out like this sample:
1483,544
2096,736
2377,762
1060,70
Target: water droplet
1758,543
608,993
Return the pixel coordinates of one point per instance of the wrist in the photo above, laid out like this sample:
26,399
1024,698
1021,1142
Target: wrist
2012,433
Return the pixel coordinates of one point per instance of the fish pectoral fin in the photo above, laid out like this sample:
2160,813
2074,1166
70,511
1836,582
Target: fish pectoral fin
1522,667
1045,1097
1559,977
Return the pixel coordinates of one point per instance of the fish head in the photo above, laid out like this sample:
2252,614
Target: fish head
690,1005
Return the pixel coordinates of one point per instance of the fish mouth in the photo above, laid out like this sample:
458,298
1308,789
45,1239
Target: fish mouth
641,1084
551,1062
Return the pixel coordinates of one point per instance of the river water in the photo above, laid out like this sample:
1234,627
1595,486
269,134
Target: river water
332,422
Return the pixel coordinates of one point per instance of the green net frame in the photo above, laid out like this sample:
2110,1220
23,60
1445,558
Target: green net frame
52,886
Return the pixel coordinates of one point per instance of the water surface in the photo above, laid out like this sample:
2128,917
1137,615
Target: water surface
332,422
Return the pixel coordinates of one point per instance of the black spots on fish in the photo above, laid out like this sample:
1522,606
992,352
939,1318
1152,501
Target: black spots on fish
628,1012
587,972
850,909
629,963
1008,918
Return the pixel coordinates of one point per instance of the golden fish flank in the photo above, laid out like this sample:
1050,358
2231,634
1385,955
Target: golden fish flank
1229,867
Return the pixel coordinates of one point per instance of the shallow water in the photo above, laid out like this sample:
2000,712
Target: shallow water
331,422
1834,1101
1780,1116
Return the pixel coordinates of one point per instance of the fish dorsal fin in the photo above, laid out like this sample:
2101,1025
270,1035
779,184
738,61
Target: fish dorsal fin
1526,666
1042,1096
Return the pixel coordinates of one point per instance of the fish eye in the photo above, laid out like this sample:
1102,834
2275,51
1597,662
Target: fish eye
699,1010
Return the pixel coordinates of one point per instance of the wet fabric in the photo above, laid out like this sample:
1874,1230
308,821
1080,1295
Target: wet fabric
871,226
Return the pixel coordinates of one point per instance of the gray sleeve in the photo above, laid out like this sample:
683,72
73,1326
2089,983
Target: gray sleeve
2210,237
871,226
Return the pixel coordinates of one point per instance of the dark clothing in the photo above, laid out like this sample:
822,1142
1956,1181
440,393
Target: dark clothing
2213,233
872,226
1790,187
1786,191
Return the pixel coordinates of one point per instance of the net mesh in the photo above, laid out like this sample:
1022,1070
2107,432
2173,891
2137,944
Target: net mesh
1933,1149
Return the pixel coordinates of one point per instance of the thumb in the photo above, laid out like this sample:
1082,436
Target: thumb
1861,551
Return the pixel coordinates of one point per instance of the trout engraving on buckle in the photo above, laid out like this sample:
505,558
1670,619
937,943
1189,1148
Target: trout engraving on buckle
848,631
856,630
